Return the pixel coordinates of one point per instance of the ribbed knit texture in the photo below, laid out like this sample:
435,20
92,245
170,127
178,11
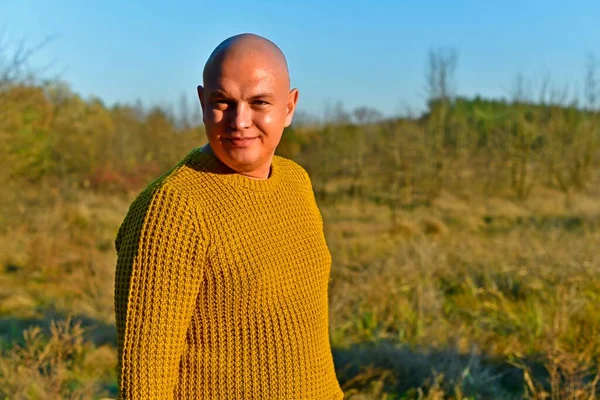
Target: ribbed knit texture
221,288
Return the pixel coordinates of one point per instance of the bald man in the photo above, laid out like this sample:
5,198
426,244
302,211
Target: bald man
221,287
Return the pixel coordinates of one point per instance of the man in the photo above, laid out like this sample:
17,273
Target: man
221,288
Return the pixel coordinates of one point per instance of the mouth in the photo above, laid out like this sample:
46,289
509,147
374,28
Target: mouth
241,141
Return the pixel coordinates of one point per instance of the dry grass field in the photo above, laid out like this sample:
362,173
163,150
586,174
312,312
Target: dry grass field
465,242
463,298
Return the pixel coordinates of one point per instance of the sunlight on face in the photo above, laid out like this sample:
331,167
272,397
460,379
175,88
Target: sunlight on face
246,107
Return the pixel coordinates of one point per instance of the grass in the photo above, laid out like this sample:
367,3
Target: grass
465,298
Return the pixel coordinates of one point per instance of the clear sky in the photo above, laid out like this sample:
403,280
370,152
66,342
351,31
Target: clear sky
360,52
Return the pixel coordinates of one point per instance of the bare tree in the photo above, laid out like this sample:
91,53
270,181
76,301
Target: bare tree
303,118
335,114
521,90
441,89
183,118
196,115
544,89
14,61
366,115
592,91
440,75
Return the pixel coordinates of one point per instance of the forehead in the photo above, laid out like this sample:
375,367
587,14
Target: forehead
247,74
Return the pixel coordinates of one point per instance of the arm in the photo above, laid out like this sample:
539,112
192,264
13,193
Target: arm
309,187
161,250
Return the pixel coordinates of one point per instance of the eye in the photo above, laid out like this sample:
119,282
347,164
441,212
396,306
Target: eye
260,103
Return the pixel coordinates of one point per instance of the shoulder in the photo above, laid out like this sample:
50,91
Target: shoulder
186,179
173,181
170,193
288,164
292,171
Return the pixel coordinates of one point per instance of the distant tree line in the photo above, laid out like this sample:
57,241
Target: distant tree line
462,145
491,147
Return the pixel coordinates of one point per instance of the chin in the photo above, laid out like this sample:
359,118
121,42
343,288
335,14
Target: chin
243,160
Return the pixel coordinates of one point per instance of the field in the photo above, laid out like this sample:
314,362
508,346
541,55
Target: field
477,298
464,242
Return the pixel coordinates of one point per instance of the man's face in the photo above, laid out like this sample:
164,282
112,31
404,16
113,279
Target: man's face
246,105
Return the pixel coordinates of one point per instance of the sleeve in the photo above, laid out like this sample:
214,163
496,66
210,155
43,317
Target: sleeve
161,249
309,188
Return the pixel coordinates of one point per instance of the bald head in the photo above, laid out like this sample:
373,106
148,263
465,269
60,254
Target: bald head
246,102
244,48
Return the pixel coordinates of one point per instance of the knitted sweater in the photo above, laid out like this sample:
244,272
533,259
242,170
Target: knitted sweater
221,287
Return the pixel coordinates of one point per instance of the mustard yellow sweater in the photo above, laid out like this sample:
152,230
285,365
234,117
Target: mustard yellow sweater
221,288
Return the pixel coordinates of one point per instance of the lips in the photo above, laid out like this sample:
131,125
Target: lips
241,141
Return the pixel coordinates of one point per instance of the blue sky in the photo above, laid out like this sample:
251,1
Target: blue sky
359,52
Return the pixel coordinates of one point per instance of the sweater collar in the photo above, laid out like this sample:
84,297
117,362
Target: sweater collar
210,164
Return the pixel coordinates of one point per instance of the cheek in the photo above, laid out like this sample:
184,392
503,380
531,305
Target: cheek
270,123
268,119
216,116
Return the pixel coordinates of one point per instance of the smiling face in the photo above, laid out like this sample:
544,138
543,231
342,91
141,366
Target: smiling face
246,104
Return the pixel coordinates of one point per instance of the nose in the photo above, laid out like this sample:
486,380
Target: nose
242,117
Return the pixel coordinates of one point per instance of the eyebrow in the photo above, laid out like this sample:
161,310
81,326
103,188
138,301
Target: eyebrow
218,93
265,95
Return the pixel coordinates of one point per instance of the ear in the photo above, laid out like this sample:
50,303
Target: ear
292,100
201,98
